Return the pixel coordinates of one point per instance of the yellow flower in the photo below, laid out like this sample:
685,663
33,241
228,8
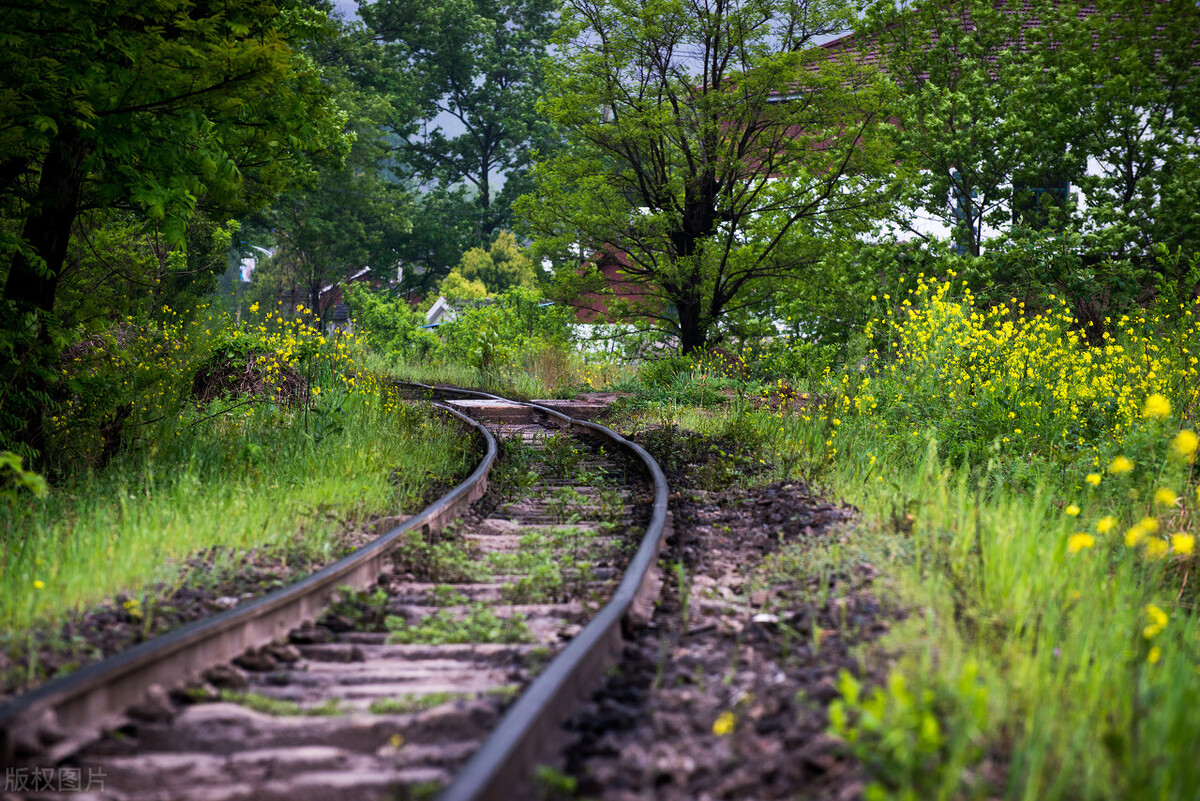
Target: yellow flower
1154,655
1072,510
1105,524
1158,621
1138,532
1165,497
1185,444
1120,466
1078,541
38,584
1183,544
1093,479
723,725
1156,549
1157,407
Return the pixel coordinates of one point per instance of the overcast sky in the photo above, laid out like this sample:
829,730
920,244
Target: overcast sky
347,8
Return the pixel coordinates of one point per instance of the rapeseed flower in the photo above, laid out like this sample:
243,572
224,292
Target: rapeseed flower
1105,524
1078,541
1120,466
1185,444
1183,544
1156,407
1165,497
1158,621
1155,548
1139,531
1072,510
1093,479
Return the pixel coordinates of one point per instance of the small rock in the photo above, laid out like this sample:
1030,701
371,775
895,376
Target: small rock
310,634
256,660
155,706
225,602
287,654
226,677
338,623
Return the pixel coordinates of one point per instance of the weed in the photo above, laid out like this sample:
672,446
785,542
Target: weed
479,624
366,609
446,595
278,707
448,559
684,588
408,704
505,692
561,455
552,784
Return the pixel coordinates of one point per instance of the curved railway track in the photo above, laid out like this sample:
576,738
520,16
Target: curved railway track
439,658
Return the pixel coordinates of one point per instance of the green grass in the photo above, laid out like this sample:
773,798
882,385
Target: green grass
479,624
274,706
251,478
513,384
1024,671
408,704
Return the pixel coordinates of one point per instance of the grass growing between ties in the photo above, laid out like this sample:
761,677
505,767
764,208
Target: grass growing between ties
409,704
444,627
280,708
1034,501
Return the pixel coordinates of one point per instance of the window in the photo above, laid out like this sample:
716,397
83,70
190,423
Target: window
1035,195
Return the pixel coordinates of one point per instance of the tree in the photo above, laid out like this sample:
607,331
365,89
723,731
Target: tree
984,110
157,106
712,145
1139,124
1005,106
354,213
478,63
499,267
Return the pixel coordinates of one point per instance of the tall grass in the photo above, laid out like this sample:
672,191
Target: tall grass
1083,698
231,476
1035,502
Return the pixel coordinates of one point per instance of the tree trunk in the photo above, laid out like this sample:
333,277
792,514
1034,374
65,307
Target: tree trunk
33,282
48,227
691,335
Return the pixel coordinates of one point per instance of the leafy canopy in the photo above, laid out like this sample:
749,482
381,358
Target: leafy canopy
475,68
711,150
156,107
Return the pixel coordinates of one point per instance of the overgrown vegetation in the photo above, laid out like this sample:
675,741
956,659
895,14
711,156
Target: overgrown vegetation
515,342
245,437
1010,397
1034,498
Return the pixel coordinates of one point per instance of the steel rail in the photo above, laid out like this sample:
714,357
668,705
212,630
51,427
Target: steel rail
503,763
96,695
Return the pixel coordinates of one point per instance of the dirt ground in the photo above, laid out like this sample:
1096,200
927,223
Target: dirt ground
725,694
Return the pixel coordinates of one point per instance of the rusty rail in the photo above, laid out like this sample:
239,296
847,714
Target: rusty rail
96,695
503,763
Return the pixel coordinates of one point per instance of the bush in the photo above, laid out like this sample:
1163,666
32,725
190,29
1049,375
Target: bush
984,376
134,383
391,326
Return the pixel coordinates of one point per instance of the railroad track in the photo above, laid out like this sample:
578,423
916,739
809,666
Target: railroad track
439,659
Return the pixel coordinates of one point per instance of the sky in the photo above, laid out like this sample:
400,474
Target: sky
347,8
